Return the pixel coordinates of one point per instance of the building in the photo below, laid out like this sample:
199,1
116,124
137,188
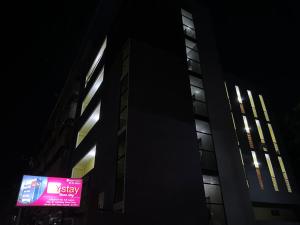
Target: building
157,137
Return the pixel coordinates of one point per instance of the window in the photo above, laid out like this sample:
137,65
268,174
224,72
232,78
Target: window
195,81
249,137
261,135
85,165
199,108
191,50
239,98
197,94
120,171
271,172
88,125
258,173
285,176
188,24
252,103
264,107
273,138
92,91
205,142
96,62
202,126
194,66
208,160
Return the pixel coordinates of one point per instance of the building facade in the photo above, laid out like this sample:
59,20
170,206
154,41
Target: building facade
158,138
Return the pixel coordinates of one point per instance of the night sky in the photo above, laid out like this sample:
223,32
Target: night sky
257,39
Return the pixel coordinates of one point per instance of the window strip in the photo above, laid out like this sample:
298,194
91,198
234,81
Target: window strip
284,173
272,174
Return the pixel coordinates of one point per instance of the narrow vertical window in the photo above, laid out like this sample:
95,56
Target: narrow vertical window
286,179
271,172
96,62
261,135
264,107
252,103
249,137
273,138
239,98
92,91
258,173
85,165
88,125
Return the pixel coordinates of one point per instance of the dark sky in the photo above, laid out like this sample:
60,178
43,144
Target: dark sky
257,39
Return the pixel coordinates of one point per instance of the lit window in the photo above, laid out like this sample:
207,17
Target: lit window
286,179
202,126
264,107
252,104
258,173
96,62
197,82
186,14
272,172
88,125
239,98
273,138
249,137
85,165
92,91
261,135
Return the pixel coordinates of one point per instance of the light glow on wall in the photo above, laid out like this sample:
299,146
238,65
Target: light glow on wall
96,62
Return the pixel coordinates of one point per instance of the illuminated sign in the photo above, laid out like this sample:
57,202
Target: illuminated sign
49,191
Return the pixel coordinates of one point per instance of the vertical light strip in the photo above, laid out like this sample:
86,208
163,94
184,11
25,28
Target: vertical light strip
286,179
273,138
275,185
252,103
261,135
258,173
239,98
243,167
226,89
250,140
246,124
92,91
96,61
238,93
264,107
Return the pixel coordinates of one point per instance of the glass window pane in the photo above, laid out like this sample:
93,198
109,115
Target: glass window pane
208,160
85,165
188,22
213,193
216,216
202,126
197,94
186,14
191,54
191,45
88,125
194,66
199,108
205,141
95,63
195,81
208,179
189,31
92,91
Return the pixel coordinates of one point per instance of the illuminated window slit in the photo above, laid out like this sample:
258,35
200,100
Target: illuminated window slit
264,108
252,103
258,173
285,176
274,181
